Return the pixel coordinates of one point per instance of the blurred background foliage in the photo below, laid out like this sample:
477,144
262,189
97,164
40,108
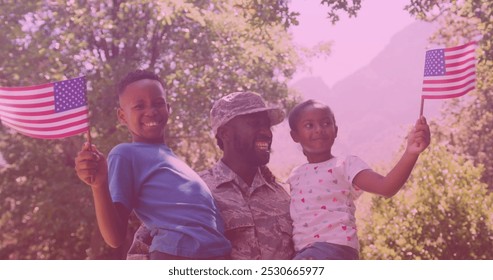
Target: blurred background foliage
443,213
204,49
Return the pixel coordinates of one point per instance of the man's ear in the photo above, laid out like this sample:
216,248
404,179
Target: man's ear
294,136
337,129
121,116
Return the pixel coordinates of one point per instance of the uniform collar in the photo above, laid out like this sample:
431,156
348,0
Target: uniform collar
224,174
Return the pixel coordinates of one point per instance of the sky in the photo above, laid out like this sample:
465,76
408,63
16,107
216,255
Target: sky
356,41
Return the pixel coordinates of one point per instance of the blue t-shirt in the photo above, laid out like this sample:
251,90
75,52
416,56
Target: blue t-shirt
169,198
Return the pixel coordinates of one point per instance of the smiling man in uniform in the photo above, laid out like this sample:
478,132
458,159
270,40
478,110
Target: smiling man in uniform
254,207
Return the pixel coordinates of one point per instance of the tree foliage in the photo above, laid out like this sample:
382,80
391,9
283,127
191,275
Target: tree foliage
351,9
443,213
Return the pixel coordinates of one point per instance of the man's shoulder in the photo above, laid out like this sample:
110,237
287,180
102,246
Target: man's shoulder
214,176
220,173
205,173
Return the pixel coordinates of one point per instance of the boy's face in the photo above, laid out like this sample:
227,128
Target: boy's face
250,138
144,110
316,131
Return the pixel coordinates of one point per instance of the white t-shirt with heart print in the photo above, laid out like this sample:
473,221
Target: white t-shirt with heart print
322,202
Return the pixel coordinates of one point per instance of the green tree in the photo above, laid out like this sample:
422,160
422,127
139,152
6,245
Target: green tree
443,213
351,9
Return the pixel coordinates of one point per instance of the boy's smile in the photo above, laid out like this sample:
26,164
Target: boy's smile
144,110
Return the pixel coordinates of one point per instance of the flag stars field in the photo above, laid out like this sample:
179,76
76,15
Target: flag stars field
435,63
70,94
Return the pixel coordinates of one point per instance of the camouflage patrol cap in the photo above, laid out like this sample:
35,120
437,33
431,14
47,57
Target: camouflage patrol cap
241,103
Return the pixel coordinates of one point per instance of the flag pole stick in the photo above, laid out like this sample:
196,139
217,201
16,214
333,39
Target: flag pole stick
89,144
88,137
422,106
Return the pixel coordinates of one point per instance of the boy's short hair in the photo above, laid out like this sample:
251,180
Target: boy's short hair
135,76
294,115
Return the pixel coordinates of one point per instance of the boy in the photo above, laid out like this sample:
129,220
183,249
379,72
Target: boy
146,177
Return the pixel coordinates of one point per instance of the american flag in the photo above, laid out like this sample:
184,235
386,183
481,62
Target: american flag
49,111
449,72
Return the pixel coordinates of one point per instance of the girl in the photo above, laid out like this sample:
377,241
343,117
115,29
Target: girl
324,189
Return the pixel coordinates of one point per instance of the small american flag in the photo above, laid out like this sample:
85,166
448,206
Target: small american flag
449,72
49,111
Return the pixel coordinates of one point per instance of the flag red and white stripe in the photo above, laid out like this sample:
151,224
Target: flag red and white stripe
49,111
449,72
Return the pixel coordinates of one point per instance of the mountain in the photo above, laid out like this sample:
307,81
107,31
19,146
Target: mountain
374,107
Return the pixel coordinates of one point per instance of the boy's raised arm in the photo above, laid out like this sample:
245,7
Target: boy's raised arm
418,141
91,168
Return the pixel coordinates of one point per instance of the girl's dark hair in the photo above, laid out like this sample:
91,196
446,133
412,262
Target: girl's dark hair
295,113
135,76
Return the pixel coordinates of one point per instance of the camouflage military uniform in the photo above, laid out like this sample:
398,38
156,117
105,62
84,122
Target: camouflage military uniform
139,250
256,218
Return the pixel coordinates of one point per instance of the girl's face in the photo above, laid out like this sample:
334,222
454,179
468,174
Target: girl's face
316,131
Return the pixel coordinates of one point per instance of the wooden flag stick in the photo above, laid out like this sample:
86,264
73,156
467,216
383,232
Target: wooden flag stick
422,106
88,137
89,144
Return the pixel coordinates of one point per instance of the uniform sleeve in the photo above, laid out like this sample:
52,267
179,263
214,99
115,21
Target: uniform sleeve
139,250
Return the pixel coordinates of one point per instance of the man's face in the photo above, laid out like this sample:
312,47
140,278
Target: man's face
251,138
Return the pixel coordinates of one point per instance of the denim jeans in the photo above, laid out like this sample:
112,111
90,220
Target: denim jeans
156,255
327,251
